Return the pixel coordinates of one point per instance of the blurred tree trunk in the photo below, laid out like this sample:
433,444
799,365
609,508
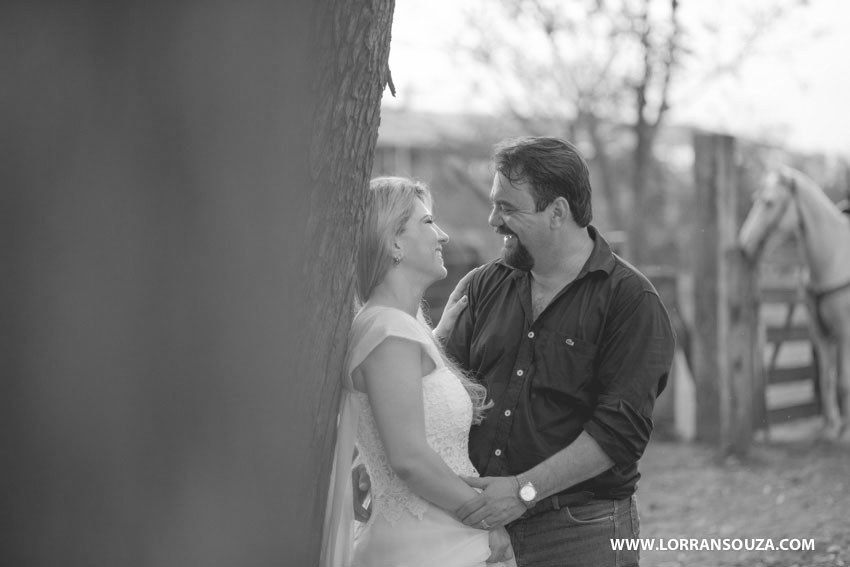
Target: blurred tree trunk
659,57
180,189
606,185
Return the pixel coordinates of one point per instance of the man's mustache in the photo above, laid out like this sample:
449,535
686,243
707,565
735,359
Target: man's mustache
505,232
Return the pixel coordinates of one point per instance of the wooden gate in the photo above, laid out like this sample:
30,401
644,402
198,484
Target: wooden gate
789,365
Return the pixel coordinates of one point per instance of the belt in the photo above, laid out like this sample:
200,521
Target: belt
558,501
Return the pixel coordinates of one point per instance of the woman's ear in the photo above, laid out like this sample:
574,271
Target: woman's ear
396,248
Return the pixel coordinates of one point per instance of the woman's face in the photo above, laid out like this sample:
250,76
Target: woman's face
421,243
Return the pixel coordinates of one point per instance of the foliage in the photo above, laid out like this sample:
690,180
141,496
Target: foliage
602,73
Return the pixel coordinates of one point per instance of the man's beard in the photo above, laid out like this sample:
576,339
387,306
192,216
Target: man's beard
518,256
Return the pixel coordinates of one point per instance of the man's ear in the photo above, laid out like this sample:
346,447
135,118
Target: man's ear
560,211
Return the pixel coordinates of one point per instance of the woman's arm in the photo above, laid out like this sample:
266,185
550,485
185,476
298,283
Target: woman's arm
392,375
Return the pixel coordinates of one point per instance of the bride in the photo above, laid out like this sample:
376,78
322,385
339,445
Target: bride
407,409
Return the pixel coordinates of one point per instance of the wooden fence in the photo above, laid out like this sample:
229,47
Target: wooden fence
790,369
752,355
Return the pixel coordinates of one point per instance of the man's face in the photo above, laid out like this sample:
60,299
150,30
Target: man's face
514,215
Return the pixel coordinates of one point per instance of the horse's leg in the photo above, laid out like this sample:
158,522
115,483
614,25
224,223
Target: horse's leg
843,371
828,388
826,367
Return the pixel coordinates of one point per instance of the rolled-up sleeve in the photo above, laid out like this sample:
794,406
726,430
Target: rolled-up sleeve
634,363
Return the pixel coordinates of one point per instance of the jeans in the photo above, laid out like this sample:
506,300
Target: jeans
577,536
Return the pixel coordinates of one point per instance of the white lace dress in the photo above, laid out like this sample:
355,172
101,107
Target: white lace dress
404,530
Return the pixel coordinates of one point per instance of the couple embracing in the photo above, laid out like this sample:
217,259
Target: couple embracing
510,434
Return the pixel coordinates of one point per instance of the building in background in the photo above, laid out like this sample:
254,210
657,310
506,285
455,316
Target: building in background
452,154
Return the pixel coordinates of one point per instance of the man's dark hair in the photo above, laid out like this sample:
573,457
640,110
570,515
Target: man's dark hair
552,167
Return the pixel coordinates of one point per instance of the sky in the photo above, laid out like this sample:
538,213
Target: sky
793,90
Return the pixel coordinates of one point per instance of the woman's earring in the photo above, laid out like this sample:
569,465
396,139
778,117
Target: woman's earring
396,260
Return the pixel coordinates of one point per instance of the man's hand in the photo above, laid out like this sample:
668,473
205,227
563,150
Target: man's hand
362,484
500,546
497,505
454,307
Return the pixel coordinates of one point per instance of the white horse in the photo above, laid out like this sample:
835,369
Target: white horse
790,201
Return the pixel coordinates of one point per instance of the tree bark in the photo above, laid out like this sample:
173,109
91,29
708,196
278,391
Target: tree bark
353,52
181,186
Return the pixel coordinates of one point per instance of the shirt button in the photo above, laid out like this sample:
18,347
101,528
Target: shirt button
519,373
531,334
508,413
498,452
570,342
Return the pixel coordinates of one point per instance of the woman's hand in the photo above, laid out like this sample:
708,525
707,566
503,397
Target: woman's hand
454,307
362,485
500,546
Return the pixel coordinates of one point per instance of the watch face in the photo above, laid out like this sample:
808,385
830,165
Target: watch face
527,493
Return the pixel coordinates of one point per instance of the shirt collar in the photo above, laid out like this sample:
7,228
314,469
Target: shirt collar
601,257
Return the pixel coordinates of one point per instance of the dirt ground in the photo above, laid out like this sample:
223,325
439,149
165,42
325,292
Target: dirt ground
791,486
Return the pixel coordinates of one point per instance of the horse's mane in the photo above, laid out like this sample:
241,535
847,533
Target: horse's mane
814,191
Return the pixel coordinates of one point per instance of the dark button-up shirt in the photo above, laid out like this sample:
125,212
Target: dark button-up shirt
594,360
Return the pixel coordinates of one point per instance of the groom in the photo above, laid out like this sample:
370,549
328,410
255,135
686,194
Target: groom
574,345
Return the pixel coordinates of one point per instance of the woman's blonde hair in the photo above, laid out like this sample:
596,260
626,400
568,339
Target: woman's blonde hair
389,205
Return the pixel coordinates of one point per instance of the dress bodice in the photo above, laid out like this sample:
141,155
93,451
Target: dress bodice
403,530
448,417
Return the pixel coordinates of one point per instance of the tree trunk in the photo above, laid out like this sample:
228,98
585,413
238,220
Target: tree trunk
644,215
353,52
181,184
615,202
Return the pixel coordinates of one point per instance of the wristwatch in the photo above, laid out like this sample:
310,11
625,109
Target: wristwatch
527,491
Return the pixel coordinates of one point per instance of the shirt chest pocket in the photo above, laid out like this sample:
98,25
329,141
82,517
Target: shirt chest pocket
565,366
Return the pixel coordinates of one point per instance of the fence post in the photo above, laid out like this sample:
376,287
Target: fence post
748,332
724,333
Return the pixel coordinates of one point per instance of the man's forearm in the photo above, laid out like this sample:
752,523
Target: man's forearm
580,460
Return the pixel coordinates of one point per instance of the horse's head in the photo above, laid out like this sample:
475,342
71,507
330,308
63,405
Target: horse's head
773,211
